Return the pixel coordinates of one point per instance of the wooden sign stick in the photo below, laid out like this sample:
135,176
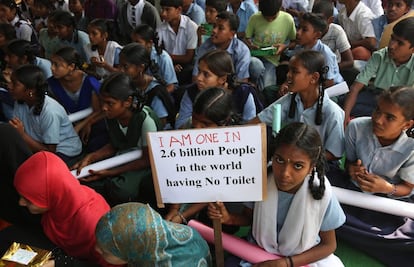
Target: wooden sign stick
218,244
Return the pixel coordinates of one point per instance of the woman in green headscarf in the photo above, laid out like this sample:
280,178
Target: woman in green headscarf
135,234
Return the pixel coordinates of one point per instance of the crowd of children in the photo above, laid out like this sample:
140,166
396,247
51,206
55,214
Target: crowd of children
143,66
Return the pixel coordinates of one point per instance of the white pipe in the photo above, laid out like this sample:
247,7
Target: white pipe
372,202
79,115
109,163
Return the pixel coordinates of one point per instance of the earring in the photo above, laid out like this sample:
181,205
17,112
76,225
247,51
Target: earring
31,94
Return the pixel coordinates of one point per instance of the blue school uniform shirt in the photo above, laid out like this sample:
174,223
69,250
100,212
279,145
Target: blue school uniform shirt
83,41
165,66
196,13
330,61
239,52
331,129
157,105
52,126
379,24
245,11
394,162
44,65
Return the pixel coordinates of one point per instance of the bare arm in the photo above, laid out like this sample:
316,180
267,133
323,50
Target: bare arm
347,60
368,42
351,98
184,59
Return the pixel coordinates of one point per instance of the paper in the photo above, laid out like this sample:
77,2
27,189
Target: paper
23,256
337,89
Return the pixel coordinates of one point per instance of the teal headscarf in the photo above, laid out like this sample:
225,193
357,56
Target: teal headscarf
135,233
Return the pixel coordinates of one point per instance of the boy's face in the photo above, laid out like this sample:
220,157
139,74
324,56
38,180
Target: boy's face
75,6
170,13
306,34
396,9
211,14
400,49
222,34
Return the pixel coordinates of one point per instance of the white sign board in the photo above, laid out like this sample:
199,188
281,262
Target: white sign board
208,165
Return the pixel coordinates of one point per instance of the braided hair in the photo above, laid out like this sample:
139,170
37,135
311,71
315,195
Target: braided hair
32,77
313,61
403,97
306,138
137,54
216,105
147,33
120,86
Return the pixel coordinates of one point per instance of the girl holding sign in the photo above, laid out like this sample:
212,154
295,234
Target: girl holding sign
299,217
308,103
212,108
128,123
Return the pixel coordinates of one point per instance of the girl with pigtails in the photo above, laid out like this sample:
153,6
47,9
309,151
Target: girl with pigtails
128,122
102,52
300,214
134,60
308,103
145,35
39,119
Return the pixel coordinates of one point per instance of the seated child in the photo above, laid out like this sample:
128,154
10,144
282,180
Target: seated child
300,214
389,67
380,157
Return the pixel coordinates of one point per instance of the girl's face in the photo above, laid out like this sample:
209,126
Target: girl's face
388,122
75,6
132,70
298,77
109,257
7,13
96,36
64,32
307,35
60,68
290,166
114,108
199,121
33,209
14,61
211,14
136,38
396,9
206,78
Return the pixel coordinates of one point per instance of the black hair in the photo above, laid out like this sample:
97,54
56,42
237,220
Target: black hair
136,54
32,77
269,8
172,3
147,33
407,2
218,5
21,48
105,26
404,29
120,86
316,20
10,4
8,31
70,55
221,64
232,18
65,18
44,3
324,7
216,105
404,98
307,139
313,61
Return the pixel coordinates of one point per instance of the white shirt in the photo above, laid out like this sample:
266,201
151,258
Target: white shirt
178,43
336,39
359,23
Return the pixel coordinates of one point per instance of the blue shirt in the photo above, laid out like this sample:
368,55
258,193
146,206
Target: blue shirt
330,60
165,66
51,127
196,13
83,40
185,112
379,24
45,65
331,129
238,51
245,11
394,162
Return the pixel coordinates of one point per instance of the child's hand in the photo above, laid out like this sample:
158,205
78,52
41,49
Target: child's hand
84,133
18,125
50,263
372,183
96,175
283,89
78,166
356,169
218,211
280,48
